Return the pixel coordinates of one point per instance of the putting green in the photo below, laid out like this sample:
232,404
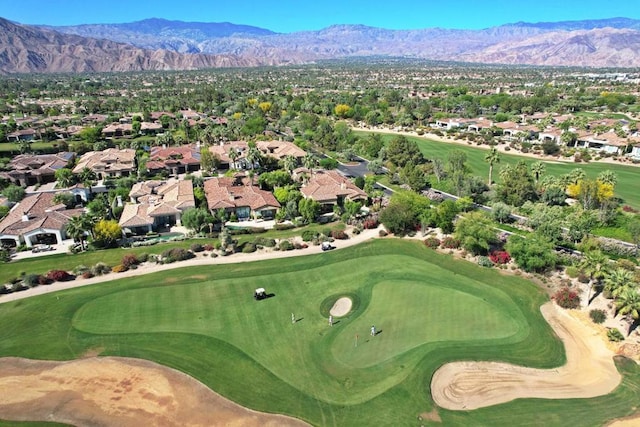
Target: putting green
435,306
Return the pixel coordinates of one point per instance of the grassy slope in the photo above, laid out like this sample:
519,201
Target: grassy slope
626,188
203,321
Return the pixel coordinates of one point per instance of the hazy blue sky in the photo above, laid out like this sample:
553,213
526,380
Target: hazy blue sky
296,15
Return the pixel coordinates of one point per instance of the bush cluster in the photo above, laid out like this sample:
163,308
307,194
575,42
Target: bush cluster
285,245
285,226
59,276
500,257
613,247
567,298
598,316
120,268
248,248
309,235
450,243
484,261
572,272
339,235
176,254
432,242
100,268
129,260
370,223
196,247
264,241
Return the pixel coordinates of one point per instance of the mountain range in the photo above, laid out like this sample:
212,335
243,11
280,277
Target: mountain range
158,44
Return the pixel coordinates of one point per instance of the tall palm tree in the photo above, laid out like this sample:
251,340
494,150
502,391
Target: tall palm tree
233,156
538,169
309,161
595,265
78,227
492,157
289,163
253,156
629,303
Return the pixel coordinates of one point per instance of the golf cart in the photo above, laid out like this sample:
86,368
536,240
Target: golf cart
260,293
327,246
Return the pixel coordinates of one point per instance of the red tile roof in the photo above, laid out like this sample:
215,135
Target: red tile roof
226,193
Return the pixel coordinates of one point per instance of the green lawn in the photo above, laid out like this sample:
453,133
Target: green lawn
429,309
626,188
68,262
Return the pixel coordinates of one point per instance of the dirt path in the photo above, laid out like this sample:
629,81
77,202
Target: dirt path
113,391
589,372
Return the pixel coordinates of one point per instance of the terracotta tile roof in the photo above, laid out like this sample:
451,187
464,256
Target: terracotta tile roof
222,151
156,198
326,186
280,149
111,159
226,193
161,158
40,211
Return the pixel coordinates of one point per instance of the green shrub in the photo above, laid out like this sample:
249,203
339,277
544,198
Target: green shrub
309,235
484,261
572,272
176,254
286,226
598,316
615,335
249,248
285,245
31,280
80,269
264,241
196,247
100,268
583,278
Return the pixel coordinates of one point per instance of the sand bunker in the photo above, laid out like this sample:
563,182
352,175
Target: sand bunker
589,372
117,391
341,307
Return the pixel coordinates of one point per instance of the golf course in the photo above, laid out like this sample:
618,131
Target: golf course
280,355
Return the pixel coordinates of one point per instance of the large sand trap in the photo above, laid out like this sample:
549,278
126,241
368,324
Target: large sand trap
341,307
117,391
589,372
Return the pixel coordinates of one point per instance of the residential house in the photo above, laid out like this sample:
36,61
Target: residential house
238,196
608,142
32,169
513,131
175,160
111,162
479,125
329,188
223,153
449,124
37,219
117,130
22,135
550,134
634,154
156,205
281,149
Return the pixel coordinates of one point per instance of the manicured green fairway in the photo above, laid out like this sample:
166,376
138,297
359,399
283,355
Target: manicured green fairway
626,188
429,309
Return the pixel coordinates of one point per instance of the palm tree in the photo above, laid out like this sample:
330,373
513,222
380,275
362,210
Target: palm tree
629,303
595,265
289,163
491,158
617,281
538,169
253,156
505,172
608,177
309,162
79,226
233,156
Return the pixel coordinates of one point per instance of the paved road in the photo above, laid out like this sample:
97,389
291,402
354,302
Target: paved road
359,168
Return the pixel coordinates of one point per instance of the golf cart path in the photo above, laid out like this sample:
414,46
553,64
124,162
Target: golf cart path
118,391
200,259
589,372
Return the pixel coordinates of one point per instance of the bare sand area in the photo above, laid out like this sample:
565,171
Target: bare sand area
590,371
341,307
108,391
